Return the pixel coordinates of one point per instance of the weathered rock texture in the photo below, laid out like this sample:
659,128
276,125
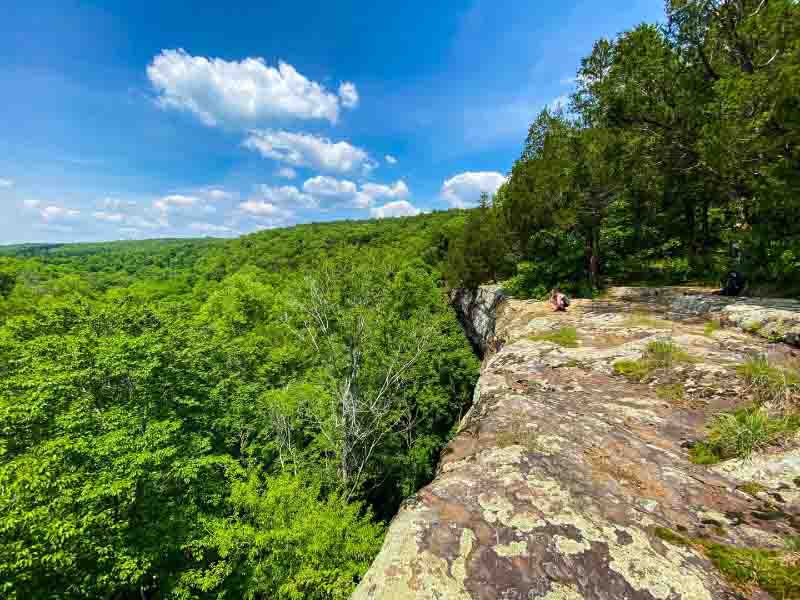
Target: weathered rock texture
562,469
478,310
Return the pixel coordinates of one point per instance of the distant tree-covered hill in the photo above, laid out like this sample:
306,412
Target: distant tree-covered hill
221,418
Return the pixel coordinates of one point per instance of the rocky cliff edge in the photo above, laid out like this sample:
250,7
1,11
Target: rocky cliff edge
564,472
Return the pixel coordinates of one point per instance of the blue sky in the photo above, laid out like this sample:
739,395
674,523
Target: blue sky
137,119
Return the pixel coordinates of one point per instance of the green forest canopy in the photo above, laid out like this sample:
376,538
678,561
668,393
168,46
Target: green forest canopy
678,159
207,419
240,418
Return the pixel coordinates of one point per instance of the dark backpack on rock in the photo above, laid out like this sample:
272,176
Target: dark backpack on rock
734,284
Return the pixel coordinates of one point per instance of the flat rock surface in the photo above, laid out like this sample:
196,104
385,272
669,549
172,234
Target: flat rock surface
562,470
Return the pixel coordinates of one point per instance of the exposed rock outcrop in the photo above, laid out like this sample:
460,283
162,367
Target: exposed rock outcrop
563,470
478,311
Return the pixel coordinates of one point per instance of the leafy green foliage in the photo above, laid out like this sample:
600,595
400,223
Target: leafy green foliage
172,421
679,160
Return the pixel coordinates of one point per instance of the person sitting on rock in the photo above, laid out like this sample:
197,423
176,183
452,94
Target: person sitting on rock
559,301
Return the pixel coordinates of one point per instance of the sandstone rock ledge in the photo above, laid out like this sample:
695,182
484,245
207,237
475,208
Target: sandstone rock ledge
563,470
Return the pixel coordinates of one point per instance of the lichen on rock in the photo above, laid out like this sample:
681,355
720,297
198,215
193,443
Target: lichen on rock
563,470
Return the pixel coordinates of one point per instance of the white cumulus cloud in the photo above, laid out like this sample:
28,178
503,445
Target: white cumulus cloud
246,92
175,200
6,183
308,150
348,94
399,208
260,207
51,212
110,217
286,195
286,173
390,159
116,204
465,189
330,187
218,194
267,214
350,194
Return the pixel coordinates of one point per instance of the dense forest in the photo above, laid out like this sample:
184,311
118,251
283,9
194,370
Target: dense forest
208,419
240,418
677,159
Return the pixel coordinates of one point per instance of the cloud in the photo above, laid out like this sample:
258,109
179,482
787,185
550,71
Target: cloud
286,173
115,204
175,201
179,203
465,189
348,94
330,187
348,193
397,190
51,212
266,213
399,208
390,159
560,103
241,93
307,150
260,208
286,195
217,194
110,217
6,183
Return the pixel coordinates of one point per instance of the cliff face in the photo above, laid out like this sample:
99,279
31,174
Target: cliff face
563,470
478,311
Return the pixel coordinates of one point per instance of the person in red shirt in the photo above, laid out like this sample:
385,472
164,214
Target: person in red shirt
559,301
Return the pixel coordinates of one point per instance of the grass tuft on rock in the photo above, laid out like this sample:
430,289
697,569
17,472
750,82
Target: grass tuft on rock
752,488
711,328
741,433
774,571
566,337
771,419
768,384
659,354
674,392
